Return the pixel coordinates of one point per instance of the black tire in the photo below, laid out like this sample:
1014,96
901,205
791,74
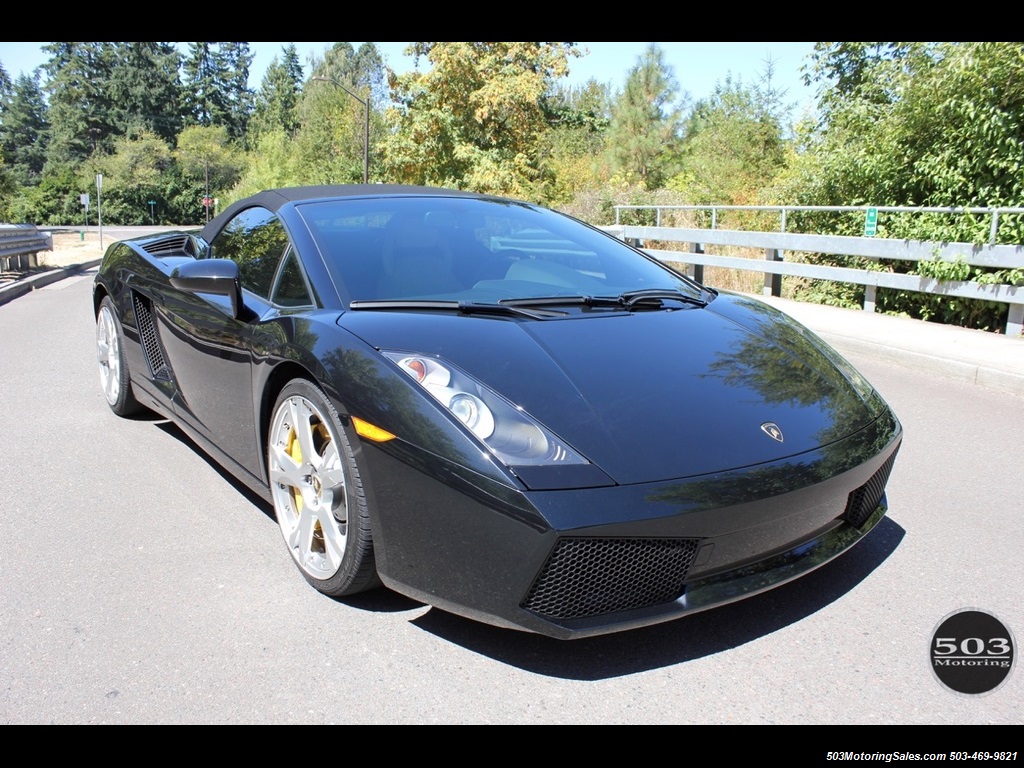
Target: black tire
318,493
115,379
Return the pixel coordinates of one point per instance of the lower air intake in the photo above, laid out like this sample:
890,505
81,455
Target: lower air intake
591,577
865,500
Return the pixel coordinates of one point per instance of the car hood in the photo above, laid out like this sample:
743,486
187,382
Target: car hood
652,395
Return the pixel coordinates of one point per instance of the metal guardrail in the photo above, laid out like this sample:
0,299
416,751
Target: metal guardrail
784,210
776,244
20,245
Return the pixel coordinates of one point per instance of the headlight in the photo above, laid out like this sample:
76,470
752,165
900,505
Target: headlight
506,430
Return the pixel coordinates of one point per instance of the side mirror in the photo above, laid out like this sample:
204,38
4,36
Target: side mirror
213,276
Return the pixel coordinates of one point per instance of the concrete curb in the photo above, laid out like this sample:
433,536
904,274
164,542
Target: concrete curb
973,373
26,285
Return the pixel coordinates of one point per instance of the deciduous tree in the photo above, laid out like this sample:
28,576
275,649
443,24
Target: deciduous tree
921,125
134,173
734,144
473,117
207,156
331,143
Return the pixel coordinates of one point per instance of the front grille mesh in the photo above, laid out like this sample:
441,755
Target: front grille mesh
591,577
865,500
150,342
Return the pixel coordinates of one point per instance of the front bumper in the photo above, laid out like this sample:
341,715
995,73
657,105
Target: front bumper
581,563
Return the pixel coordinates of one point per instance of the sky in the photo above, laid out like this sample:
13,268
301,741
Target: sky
698,66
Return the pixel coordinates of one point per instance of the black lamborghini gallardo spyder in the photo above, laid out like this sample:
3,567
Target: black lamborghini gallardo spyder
493,408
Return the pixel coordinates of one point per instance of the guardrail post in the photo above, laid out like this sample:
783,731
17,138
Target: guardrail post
869,298
1015,324
772,282
697,270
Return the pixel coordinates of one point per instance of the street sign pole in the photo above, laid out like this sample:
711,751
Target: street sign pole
99,205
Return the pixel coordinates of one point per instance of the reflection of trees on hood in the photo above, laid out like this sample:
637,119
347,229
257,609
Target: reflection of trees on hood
780,377
771,371
783,365
743,486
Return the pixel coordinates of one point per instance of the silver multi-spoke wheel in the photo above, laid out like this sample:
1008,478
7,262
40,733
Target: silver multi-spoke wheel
311,469
114,379
108,352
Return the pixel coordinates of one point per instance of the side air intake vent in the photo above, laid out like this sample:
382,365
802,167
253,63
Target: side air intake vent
151,346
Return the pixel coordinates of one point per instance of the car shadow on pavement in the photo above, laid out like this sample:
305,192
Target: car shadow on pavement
172,429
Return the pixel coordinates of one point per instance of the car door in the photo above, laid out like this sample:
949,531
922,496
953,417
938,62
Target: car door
211,349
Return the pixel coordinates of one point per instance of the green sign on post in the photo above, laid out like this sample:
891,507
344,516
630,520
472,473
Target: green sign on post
871,223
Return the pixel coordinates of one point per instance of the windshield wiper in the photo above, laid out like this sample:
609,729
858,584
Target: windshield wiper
465,307
563,301
631,298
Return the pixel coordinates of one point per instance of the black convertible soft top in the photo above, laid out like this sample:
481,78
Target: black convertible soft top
274,199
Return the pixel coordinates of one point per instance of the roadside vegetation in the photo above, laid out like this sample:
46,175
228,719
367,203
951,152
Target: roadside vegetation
922,124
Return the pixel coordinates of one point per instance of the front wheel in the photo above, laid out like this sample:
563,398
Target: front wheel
114,377
318,494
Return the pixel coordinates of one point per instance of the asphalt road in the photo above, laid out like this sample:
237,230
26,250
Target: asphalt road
141,586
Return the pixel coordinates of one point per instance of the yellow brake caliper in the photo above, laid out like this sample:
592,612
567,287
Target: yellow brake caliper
295,451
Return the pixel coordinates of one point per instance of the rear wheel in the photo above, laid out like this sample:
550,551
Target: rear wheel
318,494
114,377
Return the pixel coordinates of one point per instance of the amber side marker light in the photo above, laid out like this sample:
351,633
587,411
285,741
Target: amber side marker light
370,432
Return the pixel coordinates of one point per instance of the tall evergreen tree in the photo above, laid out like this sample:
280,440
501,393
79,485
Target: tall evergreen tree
145,89
277,101
205,98
6,177
236,59
645,129
361,71
216,83
81,113
24,131
6,86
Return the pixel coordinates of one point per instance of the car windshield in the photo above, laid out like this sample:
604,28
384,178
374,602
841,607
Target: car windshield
475,251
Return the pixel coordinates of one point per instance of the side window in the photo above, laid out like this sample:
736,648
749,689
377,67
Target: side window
291,290
256,241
